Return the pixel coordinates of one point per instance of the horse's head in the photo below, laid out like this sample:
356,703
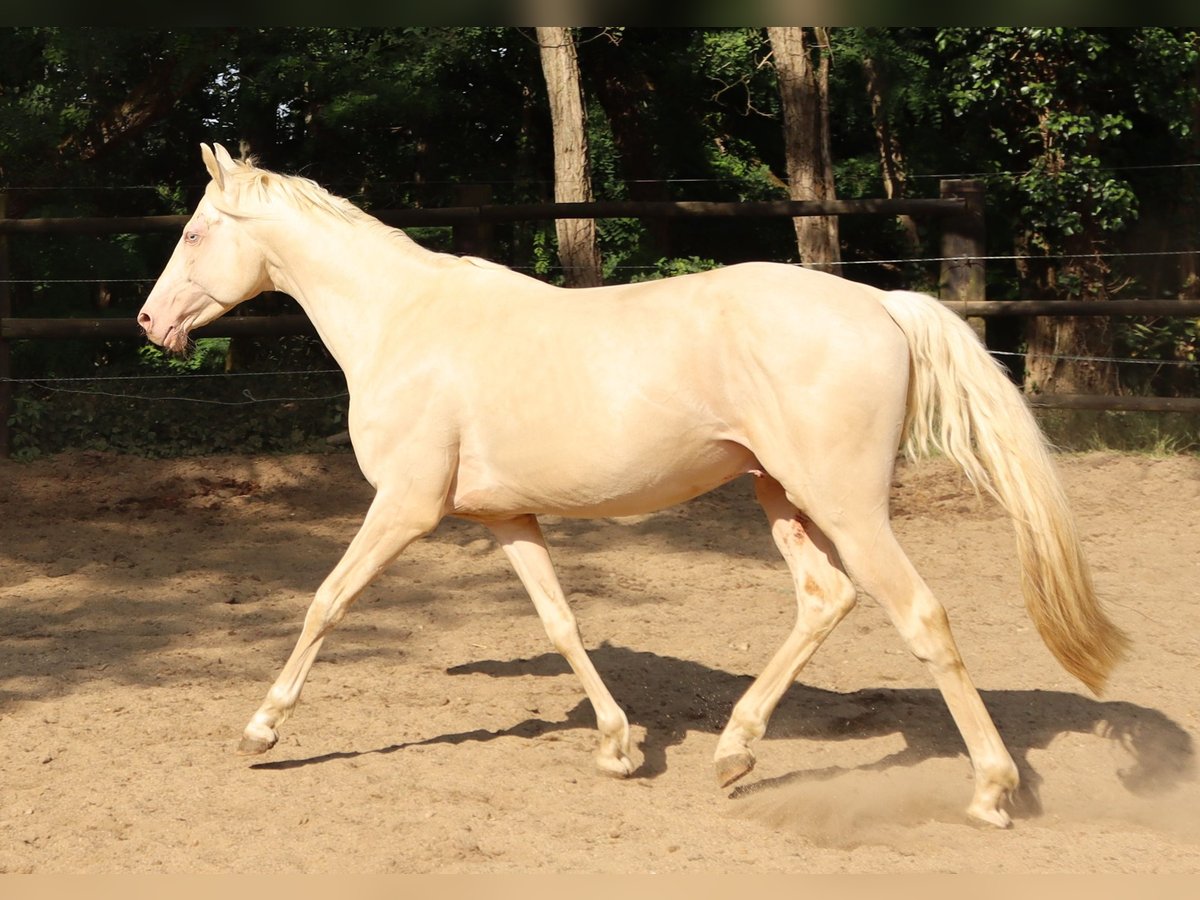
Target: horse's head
216,264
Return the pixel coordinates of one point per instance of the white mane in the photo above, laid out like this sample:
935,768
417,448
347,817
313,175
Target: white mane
262,186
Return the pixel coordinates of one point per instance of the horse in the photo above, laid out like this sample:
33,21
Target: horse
486,394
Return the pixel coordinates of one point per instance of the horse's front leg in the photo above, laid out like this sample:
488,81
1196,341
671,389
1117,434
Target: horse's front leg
522,540
392,523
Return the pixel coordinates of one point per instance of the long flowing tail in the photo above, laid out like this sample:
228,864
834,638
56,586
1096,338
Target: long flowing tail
961,403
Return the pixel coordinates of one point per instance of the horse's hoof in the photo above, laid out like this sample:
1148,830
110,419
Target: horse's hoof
731,768
616,767
254,746
990,816
988,803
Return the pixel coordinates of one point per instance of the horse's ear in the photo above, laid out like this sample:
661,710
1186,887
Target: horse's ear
210,163
224,158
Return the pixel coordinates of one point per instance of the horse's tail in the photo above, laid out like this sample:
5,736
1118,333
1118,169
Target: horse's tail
962,404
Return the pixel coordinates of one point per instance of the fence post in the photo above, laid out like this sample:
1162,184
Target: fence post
963,277
6,391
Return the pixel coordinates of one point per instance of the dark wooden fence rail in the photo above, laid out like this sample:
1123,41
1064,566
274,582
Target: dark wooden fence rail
960,210
529,212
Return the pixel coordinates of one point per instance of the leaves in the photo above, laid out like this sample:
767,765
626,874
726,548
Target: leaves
1062,121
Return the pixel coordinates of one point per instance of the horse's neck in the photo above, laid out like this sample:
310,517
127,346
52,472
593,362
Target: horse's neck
350,279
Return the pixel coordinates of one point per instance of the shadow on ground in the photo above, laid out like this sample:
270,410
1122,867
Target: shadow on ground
670,697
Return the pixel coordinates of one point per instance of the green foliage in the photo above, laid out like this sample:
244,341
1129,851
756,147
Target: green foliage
1066,123
208,355
1050,96
1082,127
544,253
1061,198
179,418
668,268
1173,341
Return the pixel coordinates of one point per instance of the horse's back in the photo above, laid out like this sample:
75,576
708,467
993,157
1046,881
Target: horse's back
687,330
769,323
782,303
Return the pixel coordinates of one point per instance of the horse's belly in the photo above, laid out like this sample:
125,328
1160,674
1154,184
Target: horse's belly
598,484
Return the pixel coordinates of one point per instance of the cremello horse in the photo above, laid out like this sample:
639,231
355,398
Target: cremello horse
482,393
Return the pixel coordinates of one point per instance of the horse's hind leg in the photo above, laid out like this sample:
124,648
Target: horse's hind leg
824,595
882,569
522,540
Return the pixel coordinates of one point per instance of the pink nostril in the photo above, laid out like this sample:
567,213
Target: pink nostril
144,320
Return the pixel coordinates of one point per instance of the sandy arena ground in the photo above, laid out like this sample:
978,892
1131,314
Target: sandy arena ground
145,607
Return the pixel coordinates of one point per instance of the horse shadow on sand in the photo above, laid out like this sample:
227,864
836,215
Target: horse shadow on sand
670,697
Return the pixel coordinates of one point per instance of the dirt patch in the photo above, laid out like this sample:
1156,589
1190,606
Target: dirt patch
145,607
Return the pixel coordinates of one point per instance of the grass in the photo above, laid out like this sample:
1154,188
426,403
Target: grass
1151,433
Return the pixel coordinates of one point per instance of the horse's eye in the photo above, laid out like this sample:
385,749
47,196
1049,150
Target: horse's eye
191,237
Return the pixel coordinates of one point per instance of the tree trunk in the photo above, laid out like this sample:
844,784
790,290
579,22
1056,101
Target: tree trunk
1061,356
577,250
1070,354
804,94
891,159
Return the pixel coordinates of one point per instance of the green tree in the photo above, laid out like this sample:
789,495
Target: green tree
1059,106
1073,127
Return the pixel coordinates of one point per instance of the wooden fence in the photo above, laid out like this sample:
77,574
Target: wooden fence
961,283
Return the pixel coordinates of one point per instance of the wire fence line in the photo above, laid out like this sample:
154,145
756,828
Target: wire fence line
249,398
850,262
177,375
104,385
1190,363
57,384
